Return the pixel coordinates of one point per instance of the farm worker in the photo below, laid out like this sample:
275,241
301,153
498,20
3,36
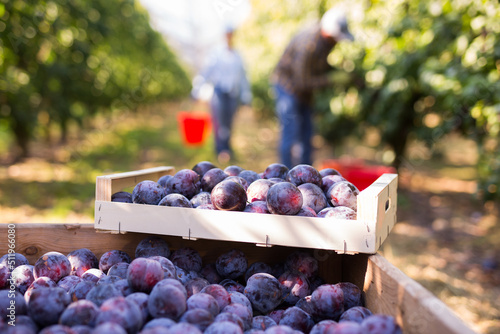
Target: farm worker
225,73
302,69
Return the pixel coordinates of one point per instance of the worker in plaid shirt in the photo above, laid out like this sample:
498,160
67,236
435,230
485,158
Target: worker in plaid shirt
302,69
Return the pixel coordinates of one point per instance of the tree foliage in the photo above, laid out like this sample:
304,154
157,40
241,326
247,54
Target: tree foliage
418,70
66,60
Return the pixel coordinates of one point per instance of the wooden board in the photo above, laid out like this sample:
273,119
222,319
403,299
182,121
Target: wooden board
377,206
386,289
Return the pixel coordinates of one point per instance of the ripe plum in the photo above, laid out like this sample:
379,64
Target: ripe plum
284,199
53,265
303,173
147,192
229,195
82,260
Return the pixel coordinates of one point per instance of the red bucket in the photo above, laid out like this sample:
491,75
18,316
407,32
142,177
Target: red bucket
194,126
357,172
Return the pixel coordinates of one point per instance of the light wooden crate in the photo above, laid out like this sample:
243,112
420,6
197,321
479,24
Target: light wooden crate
376,215
385,288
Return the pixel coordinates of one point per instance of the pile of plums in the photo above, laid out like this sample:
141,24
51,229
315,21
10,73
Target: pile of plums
301,191
160,290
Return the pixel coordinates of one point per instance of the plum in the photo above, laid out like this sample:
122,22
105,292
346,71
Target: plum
343,193
233,170
284,198
201,198
220,294
141,299
262,322
240,298
282,329
167,301
175,200
159,322
81,312
152,246
195,285
329,181
122,196
257,207
338,212
229,196
82,260
109,328
223,327
67,282
202,167
98,294
297,319
41,282
231,285
380,324
250,176
305,304
148,192
198,317
81,329
356,314
184,328
80,290
209,272
47,304
276,315
241,311
303,173
349,327
22,277
187,258
164,182
294,286
264,292
57,329
239,180
119,269
257,190
324,327
313,196
112,257
328,302
12,304
185,182
328,171
93,275
352,294
53,265
275,170
232,264
204,301
258,267
121,311
4,275
229,318
306,211
169,269
303,262
143,274
13,260
212,178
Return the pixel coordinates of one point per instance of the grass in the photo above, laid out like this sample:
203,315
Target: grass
442,239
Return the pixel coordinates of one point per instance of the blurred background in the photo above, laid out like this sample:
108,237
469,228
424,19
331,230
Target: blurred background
94,87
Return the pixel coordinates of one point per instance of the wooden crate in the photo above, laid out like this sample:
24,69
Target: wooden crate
376,215
385,288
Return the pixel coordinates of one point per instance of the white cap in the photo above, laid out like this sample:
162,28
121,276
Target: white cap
334,24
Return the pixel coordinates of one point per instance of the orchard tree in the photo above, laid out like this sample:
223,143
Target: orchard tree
66,60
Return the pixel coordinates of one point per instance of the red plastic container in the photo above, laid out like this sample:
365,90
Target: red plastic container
194,126
357,172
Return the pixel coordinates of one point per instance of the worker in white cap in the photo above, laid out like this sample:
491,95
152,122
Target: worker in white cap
302,69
